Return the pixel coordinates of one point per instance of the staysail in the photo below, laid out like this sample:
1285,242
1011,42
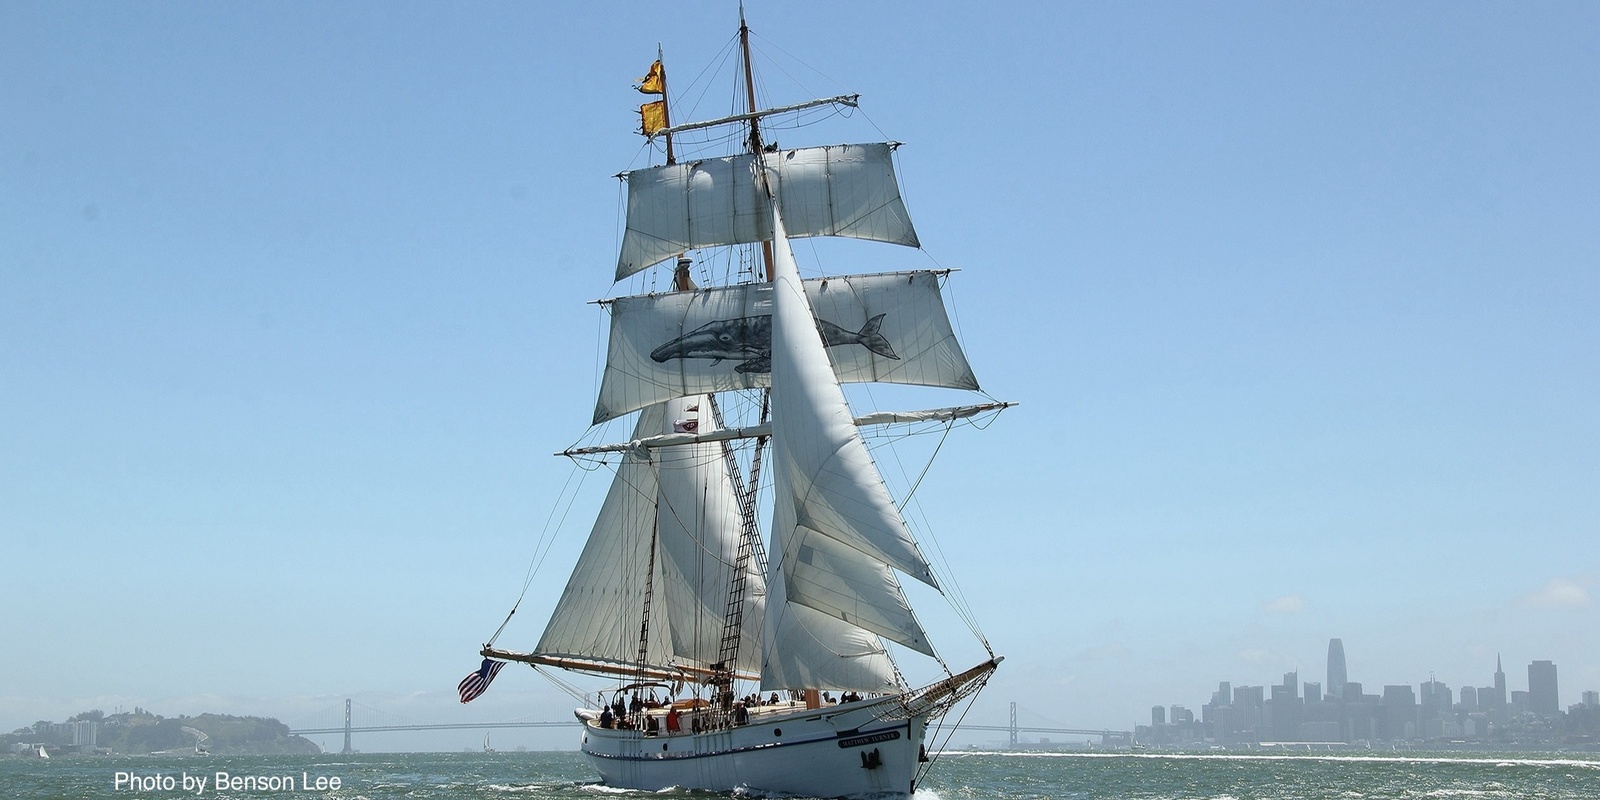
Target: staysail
836,532
841,190
884,328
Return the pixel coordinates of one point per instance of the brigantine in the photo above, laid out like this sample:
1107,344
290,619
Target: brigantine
739,665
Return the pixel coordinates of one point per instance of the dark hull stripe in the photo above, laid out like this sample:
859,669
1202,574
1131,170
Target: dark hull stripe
668,755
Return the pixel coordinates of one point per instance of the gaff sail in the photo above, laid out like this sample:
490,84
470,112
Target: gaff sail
670,522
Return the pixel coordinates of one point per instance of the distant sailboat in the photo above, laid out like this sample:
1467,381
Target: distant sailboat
674,595
200,737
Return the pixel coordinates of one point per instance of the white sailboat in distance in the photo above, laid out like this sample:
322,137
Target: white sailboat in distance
736,663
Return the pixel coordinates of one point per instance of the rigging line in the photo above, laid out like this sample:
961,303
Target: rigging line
949,293
570,689
873,123
713,67
926,466
796,59
939,751
541,548
599,357
954,595
982,423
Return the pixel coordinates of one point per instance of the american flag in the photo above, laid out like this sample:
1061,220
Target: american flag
475,684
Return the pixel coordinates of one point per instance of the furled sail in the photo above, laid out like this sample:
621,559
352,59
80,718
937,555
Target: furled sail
884,328
836,531
679,439
840,190
699,526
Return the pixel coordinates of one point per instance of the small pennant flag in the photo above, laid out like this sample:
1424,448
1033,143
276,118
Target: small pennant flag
476,683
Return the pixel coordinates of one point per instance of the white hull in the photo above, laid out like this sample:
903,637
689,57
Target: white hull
824,752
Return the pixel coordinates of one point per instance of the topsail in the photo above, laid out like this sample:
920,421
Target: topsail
883,328
840,190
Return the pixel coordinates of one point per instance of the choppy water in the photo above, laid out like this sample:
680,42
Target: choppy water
956,776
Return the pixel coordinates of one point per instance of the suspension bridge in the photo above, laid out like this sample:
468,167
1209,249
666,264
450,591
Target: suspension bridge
363,719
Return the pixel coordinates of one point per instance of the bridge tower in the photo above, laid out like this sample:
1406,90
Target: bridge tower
348,749
1013,723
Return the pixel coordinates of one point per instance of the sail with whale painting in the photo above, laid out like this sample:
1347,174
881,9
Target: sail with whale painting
736,662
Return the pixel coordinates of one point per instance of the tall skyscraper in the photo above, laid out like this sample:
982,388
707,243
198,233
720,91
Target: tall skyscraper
1542,695
1499,683
1336,674
1435,695
1223,696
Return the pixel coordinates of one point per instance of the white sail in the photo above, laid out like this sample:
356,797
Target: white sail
840,190
807,649
884,328
828,500
844,583
600,611
684,499
699,526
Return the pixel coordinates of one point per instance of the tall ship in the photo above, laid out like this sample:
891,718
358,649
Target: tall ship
732,659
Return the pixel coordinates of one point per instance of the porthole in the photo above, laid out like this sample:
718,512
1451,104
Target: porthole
777,731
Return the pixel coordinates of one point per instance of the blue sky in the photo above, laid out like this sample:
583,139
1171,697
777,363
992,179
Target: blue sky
1301,302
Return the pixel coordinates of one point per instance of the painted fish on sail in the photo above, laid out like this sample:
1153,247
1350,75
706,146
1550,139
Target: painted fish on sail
750,338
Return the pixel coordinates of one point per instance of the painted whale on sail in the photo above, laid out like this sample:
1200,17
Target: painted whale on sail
750,339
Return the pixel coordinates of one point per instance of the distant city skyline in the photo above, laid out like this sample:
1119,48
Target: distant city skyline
1346,712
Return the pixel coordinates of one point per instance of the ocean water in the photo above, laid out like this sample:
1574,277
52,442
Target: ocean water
955,776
